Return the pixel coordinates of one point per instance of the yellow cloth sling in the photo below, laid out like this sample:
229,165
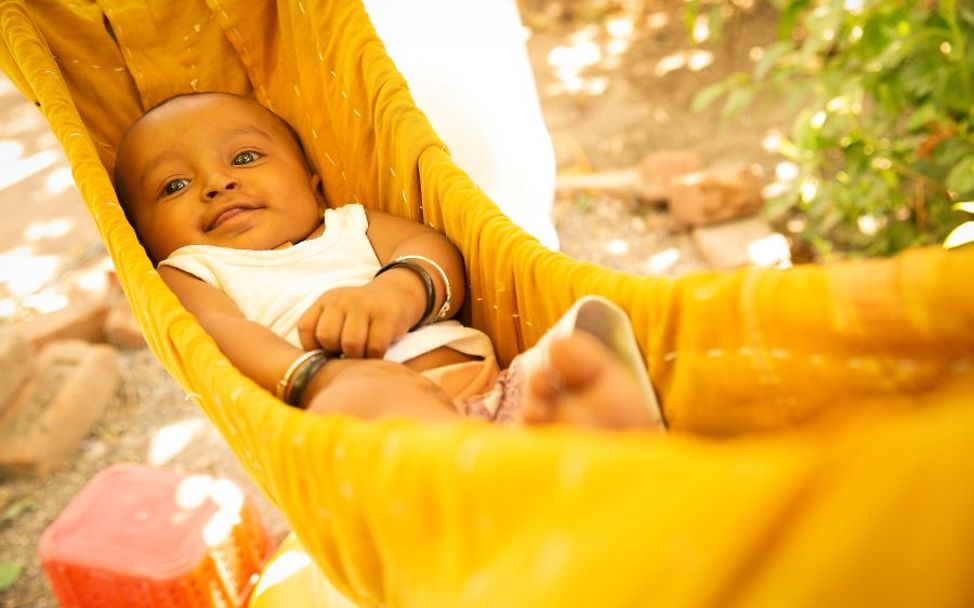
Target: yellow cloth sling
871,502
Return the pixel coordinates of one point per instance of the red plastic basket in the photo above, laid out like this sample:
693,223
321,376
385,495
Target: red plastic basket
139,536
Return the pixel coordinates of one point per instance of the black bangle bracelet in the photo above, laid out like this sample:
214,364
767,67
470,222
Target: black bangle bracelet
427,282
307,371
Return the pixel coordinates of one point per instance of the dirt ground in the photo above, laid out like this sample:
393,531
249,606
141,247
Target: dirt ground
634,99
645,107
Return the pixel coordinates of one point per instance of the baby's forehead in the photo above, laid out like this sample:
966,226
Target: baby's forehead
200,116
210,113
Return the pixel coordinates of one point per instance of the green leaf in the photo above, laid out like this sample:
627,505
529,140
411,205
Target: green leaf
950,152
690,12
9,573
16,509
715,21
926,114
961,235
790,16
961,177
947,9
770,57
707,96
777,207
739,99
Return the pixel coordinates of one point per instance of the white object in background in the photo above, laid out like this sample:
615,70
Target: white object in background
467,68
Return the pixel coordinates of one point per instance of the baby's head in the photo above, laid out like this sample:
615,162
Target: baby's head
215,169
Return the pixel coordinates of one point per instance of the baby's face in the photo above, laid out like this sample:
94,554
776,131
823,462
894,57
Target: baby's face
216,169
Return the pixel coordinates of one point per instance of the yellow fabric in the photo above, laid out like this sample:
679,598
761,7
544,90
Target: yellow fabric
869,503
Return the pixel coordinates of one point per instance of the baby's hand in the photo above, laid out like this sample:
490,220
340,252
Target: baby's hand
357,321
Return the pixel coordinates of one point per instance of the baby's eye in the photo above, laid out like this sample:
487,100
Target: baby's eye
245,158
174,186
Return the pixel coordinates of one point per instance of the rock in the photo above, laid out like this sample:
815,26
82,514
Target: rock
15,361
716,194
658,170
81,320
73,384
649,181
747,242
121,329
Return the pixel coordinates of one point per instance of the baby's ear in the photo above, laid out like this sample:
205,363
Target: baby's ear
318,187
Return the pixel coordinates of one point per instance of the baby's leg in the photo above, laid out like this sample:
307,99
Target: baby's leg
370,388
584,384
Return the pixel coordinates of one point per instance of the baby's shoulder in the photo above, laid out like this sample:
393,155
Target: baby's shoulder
350,216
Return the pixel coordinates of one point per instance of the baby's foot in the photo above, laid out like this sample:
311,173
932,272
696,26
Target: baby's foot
583,384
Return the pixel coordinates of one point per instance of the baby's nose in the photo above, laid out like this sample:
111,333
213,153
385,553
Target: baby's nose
219,185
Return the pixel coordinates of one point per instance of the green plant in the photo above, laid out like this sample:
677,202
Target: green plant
9,573
884,134
963,234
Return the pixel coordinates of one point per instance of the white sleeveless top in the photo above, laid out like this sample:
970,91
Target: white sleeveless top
275,287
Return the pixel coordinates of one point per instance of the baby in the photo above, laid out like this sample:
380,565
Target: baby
336,310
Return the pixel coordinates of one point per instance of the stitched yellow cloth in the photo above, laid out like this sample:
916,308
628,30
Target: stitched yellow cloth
870,503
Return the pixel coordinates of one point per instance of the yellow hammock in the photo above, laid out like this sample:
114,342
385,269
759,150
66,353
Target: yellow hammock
872,504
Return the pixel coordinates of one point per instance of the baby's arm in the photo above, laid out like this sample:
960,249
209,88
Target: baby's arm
257,351
364,321
353,386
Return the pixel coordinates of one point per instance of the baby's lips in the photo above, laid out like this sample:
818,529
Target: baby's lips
227,213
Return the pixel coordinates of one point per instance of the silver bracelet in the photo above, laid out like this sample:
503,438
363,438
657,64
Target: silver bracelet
445,308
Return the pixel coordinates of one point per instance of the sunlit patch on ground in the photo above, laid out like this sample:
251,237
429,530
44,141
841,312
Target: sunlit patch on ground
591,48
772,251
659,263
22,168
172,439
50,252
23,272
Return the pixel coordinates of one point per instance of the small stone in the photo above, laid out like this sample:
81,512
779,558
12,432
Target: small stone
658,169
81,320
716,194
15,361
73,384
747,242
121,329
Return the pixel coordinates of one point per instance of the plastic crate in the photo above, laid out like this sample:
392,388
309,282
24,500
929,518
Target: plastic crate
139,536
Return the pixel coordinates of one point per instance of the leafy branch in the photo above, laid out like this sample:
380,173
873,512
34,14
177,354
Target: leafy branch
884,143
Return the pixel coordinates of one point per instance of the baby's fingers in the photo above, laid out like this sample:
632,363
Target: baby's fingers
355,335
323,329
381,334
308,327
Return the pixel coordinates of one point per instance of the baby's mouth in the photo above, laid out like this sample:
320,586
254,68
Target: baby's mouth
226,214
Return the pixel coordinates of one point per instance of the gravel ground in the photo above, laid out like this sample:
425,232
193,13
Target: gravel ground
623,235
147,401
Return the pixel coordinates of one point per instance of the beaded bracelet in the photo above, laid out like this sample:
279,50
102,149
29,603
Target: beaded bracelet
427,283
445,308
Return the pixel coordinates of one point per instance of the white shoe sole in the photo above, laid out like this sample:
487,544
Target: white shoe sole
608,323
